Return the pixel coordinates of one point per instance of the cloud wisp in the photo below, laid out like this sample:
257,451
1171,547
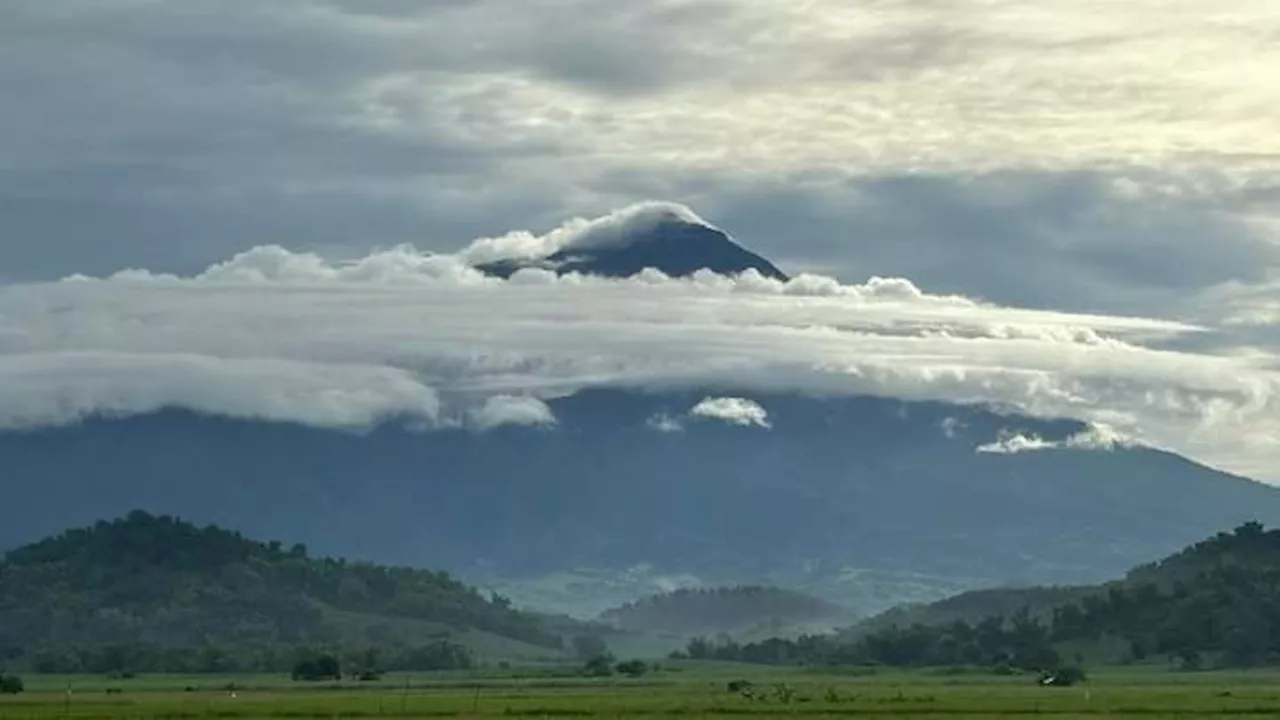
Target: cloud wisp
292,336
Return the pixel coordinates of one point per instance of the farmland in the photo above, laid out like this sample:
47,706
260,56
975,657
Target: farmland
690,689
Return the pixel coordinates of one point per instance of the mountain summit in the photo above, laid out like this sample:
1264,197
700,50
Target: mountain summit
662,236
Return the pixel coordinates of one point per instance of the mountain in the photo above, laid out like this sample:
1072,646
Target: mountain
660,238
867,502
156,593
742,612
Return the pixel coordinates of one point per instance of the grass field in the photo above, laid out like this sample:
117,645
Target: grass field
689,692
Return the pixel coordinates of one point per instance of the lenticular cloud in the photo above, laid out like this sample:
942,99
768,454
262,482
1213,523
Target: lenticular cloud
292,336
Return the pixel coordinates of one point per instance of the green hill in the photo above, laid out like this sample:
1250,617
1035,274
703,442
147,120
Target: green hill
739,611
156,593
1215,603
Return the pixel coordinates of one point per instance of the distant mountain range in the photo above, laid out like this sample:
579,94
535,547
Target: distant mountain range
863,501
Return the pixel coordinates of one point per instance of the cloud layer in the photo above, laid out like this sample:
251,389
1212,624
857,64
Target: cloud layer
401,333
1057,156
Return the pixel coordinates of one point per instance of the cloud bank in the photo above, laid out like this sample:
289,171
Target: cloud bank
400,333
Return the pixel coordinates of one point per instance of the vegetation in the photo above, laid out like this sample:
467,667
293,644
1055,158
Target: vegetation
688,690
153,593
11,685
1020,642
751,609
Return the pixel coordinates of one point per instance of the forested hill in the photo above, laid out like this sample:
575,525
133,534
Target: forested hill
1249,550
152,587
741,610
1217,603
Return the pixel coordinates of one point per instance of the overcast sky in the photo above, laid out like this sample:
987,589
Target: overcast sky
1114,158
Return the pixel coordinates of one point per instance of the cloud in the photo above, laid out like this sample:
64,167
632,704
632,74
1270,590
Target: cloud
732,410
512,410
64,387
1098,437
580,233
377,337
1053,157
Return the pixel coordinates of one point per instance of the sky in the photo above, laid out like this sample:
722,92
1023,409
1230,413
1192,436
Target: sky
1073,207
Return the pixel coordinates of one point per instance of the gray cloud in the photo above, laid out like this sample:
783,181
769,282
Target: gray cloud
1082,240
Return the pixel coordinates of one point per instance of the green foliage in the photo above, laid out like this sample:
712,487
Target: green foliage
11,685
156,594
1220,597
1021,642
633,668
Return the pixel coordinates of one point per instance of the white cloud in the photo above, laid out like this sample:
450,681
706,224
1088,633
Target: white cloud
272,333
580,233
1099,436
502,410
63,387
735,411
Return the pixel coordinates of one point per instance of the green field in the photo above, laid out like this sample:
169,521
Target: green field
689,691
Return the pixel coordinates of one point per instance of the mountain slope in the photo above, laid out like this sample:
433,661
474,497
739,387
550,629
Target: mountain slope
162,587
868,502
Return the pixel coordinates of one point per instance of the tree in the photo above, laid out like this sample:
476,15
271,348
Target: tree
11,685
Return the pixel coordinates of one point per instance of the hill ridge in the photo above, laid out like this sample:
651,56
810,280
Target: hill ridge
168,591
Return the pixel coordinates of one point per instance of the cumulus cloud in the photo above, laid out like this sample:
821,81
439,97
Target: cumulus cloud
732,410
502,410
